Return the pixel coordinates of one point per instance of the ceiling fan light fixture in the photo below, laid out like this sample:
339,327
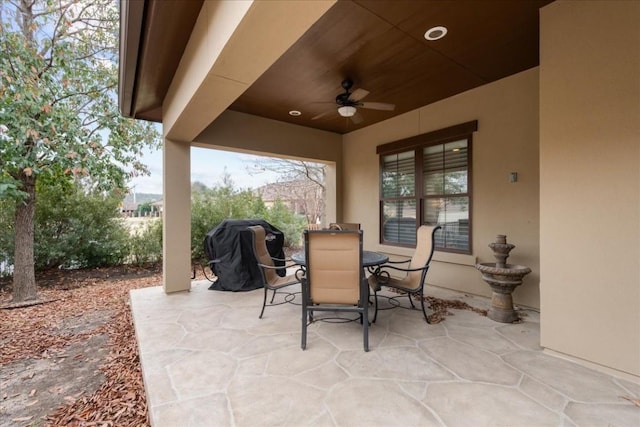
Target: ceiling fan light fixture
347,111
435,33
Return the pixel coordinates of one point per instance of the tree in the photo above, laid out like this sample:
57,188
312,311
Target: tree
304,181
58,110
144,209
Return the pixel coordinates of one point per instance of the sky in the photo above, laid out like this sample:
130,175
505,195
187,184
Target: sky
207,166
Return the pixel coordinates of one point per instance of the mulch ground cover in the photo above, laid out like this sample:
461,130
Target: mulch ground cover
86,320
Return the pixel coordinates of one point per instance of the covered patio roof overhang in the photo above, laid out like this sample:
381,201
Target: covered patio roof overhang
184,67
225,74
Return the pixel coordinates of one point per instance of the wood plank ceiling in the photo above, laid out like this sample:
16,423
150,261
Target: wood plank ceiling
380,45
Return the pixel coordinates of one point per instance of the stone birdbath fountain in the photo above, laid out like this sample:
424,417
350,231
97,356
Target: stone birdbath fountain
503,279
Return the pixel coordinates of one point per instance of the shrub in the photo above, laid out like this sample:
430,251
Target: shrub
291,225
146,247
77,229
209,207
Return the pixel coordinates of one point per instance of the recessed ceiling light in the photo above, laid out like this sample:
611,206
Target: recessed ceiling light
435,33
295,113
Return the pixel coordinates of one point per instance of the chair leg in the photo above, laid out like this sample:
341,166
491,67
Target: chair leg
365,327
303,343
375,306
410,300
424,312
273,296
264,303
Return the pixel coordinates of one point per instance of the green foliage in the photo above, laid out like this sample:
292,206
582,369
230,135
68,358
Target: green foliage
7,212
209,207
291,225
76,229
58,109
144,208
79,229
146,247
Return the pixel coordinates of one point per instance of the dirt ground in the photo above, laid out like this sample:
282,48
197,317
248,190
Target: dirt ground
73,359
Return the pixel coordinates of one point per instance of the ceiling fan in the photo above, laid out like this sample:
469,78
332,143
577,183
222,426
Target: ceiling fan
348,103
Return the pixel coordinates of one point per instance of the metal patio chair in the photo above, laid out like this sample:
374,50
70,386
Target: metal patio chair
334,279
270,278
414,274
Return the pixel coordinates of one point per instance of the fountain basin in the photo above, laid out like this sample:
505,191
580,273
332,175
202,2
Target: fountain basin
508,274
503,278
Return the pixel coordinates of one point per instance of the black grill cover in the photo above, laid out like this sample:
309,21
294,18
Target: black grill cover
231,244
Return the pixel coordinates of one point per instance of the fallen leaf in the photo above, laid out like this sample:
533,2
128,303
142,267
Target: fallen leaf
634,400
41,332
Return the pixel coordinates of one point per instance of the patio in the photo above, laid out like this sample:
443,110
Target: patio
208,360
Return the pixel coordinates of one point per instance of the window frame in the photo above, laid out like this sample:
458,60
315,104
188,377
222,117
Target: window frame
417,145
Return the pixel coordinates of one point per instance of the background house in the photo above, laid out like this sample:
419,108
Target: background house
302,196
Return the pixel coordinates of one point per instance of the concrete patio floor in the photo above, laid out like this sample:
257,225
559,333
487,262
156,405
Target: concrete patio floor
208,360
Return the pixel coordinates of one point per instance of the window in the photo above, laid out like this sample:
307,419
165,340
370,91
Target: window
399,198
426,180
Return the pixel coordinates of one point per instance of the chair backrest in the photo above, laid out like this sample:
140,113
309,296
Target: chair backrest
334,266
344,226
422,255
262,255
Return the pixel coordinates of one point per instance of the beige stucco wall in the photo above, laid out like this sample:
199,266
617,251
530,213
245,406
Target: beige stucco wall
590,181
506,141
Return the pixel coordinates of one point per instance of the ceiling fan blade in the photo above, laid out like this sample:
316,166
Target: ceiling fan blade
378,106
358,94
357,118
321,115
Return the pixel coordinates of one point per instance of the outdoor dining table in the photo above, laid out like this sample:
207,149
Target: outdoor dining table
369,258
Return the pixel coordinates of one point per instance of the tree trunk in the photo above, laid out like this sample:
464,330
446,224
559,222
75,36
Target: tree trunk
24,278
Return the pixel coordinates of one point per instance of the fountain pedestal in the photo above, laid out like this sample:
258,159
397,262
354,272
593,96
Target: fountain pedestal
503,279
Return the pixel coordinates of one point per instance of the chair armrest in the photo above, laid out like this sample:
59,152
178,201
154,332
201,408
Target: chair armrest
281,259
277,267
407,270
213,261
382,274
285,261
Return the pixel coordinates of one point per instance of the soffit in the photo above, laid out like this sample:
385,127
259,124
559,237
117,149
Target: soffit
379,44
166,27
